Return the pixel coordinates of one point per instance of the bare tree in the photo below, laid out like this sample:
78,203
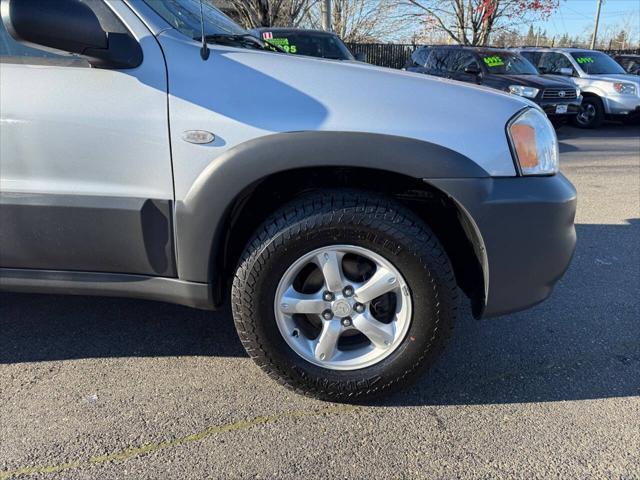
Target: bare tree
362,20
471,22
269,13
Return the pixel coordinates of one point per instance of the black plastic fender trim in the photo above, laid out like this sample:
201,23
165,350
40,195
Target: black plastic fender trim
200,217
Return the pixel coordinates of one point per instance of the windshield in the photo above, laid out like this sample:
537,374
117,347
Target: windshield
309,43
596,63
503,63
184,16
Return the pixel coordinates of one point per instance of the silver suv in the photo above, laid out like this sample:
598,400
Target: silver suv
338,207
608,91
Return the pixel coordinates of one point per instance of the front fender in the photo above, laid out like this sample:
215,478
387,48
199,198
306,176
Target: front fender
200,217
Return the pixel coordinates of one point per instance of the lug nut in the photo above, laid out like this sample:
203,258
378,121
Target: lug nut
327,314
359,308
348,291
328,297
346,322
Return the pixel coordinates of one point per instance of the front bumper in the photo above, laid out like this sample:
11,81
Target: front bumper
622,105
550,107
527,234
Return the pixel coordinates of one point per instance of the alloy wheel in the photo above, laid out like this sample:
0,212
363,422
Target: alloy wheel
343,307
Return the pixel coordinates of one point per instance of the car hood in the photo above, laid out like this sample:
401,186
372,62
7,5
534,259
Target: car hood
617,77
538,81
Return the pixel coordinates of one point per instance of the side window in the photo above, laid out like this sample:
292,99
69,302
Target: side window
552,62
461,61
438,59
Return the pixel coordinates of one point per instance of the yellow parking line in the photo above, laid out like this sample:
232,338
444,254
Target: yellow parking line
132,452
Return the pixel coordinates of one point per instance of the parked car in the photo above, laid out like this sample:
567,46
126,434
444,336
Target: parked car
313,43
630,63
500,69
608,91
340,217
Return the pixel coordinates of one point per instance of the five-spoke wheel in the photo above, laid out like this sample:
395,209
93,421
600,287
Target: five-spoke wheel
344,296
343,307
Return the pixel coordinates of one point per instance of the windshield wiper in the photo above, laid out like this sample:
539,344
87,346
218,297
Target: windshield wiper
242,39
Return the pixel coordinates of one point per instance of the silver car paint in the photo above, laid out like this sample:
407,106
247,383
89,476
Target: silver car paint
77,130
241,94
105,133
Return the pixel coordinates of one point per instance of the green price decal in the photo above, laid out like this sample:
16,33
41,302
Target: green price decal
494,61
584,60
281,42
284,44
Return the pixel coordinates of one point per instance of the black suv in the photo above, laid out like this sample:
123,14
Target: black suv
313,43
500,69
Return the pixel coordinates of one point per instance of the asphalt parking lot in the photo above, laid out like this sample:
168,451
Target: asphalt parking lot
94,388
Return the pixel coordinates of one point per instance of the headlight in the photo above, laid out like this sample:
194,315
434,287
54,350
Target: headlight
528,92
534,143
625,88
578,93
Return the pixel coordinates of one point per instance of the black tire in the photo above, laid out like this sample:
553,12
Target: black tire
360,219
591,113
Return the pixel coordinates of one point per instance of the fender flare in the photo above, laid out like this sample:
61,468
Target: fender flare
201,217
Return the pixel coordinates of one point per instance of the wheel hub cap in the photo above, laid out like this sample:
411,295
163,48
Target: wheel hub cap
342,308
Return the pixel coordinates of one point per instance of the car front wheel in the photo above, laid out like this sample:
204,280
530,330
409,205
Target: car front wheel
344,296
591,113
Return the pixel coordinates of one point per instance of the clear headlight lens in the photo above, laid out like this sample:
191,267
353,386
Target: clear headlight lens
628,88
523,91
534,143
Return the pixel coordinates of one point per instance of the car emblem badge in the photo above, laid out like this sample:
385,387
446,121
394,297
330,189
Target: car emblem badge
562,93
342,308
199,137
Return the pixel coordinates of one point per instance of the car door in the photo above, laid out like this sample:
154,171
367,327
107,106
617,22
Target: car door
85,166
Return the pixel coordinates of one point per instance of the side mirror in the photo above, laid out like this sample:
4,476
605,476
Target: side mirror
71,26
472,69
566,71
361,57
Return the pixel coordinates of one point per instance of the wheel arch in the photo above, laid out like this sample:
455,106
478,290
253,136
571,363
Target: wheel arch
237,191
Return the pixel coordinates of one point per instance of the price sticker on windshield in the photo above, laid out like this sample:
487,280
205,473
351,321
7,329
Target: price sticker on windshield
494,61
584,60
284,44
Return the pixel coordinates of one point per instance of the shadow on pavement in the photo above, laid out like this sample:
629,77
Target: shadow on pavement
583,343
37,328
607,130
